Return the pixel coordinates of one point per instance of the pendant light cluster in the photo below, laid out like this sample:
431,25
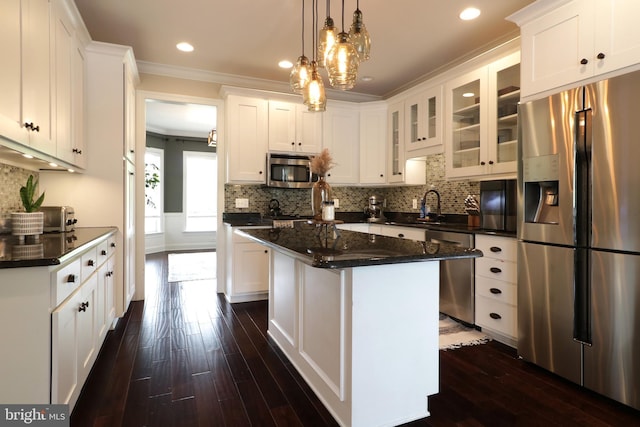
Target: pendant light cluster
339,53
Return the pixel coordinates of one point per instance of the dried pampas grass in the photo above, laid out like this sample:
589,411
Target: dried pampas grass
321,163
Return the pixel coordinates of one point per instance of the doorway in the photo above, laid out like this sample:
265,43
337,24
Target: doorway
181,136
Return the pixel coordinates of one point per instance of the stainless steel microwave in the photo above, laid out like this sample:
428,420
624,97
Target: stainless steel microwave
289,170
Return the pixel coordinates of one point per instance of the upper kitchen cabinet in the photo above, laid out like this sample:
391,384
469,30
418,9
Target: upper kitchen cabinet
69,75
373,143
482,120
399,169
566,42
341,131
423,122
292,127
25,104
247,139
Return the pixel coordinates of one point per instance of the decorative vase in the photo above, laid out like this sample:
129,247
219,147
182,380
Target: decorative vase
320,192
27,224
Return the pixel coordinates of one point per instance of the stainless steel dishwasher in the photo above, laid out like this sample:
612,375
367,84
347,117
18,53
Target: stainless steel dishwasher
457,282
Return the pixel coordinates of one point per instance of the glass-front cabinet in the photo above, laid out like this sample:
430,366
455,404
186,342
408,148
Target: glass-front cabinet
482,118
424,121
396,143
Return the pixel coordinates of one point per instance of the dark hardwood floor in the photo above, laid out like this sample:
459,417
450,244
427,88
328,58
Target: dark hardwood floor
185,357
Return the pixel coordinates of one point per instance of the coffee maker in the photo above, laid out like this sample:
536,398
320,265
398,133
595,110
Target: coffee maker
373,211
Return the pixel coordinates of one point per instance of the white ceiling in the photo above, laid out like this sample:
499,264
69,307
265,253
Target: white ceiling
411,39
171,118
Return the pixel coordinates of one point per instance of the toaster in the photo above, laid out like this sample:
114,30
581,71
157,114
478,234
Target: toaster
58,218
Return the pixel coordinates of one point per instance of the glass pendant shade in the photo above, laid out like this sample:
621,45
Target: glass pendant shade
327,38
313,94
342,63
359,36
300,74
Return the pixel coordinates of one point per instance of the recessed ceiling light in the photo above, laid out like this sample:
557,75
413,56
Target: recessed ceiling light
285,64
53,165
469,14
366,78
468,94
27,156
185,47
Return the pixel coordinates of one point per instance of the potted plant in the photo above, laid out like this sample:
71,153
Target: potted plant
30,222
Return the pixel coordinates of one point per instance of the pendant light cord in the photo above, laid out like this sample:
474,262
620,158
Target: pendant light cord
302,27
343,16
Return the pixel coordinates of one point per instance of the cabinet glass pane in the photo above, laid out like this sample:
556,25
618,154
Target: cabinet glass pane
414,122
431,105
395,143
508,84
466,125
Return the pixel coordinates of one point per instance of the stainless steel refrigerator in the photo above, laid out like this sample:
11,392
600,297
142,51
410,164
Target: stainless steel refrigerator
579,236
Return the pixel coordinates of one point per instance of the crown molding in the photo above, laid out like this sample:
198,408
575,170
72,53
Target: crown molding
241,81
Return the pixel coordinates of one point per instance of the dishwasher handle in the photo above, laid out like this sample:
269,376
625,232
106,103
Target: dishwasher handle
450,242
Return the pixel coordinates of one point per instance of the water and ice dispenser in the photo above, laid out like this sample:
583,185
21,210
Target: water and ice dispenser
541,190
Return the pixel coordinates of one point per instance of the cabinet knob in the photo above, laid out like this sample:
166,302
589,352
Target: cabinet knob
71,278
482,163
495,291
90,263
490,162
584,61
495,270
266,251
293,143
132,151
104,252
495,249
299,144
495,316
600,55
259,172
400,235
30,126
113,245
75,150
381,175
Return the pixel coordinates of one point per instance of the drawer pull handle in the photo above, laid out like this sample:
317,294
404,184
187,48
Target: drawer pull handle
90,263
103,252
495,291
83,306
495,249
71,278
495,316
113,245
495,270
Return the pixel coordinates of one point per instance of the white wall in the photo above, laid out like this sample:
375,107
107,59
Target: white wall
175,239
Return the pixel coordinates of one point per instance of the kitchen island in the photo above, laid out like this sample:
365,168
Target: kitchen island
357,315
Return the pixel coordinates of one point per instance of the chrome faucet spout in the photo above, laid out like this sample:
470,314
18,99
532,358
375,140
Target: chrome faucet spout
438,207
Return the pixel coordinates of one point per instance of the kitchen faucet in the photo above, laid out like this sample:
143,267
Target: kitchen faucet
438,208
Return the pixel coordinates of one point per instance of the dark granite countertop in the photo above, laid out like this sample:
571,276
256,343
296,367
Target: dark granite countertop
317,245
451,222
48,249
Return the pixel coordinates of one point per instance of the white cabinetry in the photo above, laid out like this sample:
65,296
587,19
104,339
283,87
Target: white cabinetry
373,143
59,315
400,170
566,42
411,233
292,127
105,192
247,268
247,136
42,79
482,120
341,136
496,291
423,122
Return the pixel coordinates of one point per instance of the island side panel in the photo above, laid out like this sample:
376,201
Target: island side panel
395,361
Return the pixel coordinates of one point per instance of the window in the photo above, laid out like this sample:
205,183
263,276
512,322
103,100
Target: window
200,190
153,176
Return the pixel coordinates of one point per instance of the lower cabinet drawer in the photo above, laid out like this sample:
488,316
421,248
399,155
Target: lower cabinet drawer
497,290
67,280
496,315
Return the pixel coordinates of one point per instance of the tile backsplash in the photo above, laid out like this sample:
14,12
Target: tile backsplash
11,179
354,199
